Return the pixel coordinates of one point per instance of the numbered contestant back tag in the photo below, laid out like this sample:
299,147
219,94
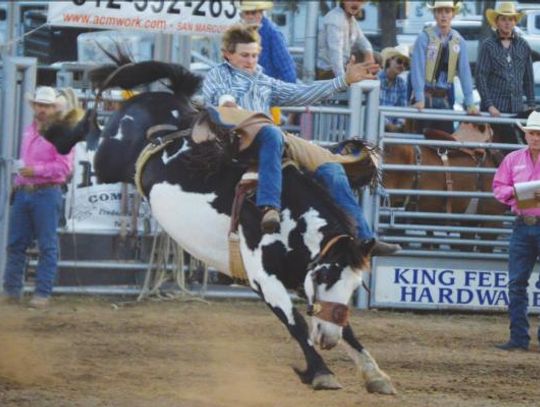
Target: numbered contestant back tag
171,16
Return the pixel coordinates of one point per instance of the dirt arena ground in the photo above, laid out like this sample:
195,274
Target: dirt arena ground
87,352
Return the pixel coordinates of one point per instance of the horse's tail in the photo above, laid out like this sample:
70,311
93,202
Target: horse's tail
127,74
64,132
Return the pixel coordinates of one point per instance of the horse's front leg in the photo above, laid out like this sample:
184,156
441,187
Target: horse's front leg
376,380
276,297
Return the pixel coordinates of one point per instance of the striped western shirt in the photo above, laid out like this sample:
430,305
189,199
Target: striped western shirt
393,93
258,92
504,76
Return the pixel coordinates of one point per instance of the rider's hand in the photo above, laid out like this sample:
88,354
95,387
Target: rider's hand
493,111
229,104
359,72
419,105
26,172
473,110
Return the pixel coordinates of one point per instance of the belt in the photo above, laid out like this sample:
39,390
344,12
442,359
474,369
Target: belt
437,92
529,220
34,187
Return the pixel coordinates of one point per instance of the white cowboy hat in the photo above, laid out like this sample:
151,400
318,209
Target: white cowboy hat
505,9
44,95
445,4
255,5
399,51
533,122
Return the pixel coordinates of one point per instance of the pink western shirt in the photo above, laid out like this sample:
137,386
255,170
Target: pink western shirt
516,167
50,167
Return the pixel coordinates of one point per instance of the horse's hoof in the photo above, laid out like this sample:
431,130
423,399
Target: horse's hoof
326,382
380,386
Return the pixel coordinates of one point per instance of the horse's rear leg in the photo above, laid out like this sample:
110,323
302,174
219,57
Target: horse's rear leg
317,372
376,380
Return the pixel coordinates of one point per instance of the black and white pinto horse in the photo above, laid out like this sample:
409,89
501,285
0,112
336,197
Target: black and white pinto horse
190,187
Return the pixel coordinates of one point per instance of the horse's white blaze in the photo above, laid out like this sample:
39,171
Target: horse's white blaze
340,292
119,135
175,113
192,222
313,235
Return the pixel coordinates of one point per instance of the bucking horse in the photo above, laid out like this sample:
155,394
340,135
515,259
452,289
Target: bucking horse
191,186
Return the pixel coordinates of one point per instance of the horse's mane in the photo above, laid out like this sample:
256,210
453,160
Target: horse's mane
127,74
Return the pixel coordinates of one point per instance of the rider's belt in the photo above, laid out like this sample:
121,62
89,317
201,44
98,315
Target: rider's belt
529,220
34,187
436,92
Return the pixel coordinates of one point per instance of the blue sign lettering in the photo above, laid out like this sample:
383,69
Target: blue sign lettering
536,299
408,292
445,294
425,293
464,296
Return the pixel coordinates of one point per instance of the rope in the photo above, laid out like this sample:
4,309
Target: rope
166,265
12,42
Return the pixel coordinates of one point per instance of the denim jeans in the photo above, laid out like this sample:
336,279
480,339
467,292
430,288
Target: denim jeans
269,141
33,215
333,176
524,250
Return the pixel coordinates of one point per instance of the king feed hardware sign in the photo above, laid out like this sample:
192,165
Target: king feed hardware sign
404,282
168,16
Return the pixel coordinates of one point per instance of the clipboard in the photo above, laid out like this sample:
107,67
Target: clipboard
524,193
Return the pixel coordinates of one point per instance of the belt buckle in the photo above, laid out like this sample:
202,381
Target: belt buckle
529,220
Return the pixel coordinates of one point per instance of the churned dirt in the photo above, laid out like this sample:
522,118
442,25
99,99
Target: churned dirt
87,352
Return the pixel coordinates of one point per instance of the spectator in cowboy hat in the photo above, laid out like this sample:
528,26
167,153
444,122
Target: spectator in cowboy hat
338,37
393,87
439,54
275,58
504,73
35,204
517,167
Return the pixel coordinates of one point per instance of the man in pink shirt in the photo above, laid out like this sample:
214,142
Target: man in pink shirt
521,166
35,204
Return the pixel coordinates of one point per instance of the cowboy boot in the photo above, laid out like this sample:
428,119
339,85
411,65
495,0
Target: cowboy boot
270,220
384,249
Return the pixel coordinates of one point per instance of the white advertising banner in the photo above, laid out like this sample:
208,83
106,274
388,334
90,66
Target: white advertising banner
95,208
401,282
164,16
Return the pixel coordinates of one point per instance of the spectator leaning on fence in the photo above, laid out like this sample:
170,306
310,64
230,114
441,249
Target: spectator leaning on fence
439,54
35,203
394,87
240,82
521,166
338,36
504,73
275,58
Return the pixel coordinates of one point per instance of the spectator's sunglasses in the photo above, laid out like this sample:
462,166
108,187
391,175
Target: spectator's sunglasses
402,61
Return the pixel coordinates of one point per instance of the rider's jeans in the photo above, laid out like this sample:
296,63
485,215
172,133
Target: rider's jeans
270,143
524,250
333,176
33,215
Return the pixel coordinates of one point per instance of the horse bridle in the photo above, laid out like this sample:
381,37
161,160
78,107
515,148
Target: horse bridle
333,312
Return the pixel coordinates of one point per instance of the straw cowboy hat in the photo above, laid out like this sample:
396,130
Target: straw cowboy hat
398,51
44,95
445,4
255,5
505,9
533,122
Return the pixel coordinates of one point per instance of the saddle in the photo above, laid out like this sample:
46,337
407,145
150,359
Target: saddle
355,155
466,132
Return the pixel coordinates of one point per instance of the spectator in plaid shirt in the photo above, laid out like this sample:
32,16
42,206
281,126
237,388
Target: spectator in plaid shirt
504,73
274,58
393,87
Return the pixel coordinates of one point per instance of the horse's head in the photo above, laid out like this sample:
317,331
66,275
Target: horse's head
330,284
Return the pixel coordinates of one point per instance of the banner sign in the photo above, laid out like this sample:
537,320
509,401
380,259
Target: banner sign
164,16
94,208
401,282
